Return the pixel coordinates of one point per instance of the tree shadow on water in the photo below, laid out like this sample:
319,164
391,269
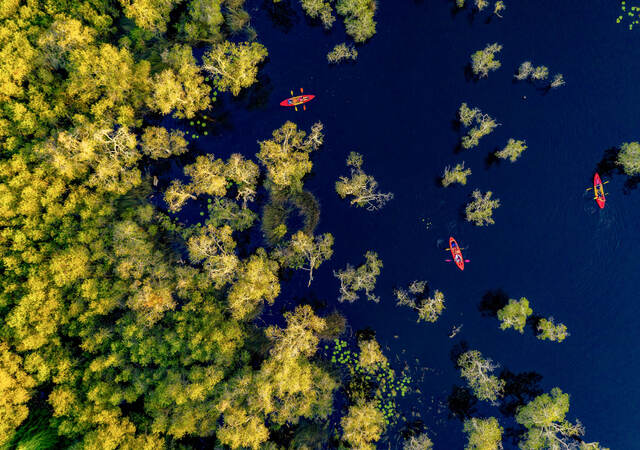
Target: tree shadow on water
461,403
609,166
492,159
257,96
281,14
492,302
519,389
458,350
469,75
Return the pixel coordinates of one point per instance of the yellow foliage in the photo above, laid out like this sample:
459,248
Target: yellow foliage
15,391
371,356
363,425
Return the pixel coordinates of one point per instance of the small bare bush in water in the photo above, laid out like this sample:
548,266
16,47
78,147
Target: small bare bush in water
342,52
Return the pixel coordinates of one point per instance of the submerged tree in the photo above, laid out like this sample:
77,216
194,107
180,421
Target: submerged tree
159,143
429,308
286,155
419,442
234,66
342,52
540,73
558,80
358,18
363,278
480,210
319,9
544,419
307,252
514,314
512,150
477,371
363,425
550,330
481,4
458,174
467,115
483,61
362,187
629,158
524,71
371,357
483,434
485,124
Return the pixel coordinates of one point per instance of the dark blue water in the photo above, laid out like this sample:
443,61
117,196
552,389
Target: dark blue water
550,242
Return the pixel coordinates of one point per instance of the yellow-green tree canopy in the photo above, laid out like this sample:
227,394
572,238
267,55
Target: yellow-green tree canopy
547,427
477,371
483,434
629,157
234,66
363,425
514,314
480,210
286,155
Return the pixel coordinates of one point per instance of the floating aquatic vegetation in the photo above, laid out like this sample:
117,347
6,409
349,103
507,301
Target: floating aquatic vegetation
377,382
630,13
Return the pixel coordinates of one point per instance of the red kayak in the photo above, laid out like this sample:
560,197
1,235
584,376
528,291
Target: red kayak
456,253
598,189
298,100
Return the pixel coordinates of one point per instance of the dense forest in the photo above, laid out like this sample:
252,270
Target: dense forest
122,327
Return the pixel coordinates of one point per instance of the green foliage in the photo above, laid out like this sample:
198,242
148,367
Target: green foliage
483,434
480,210
477,371
512,150
202,22
631,13
456,175
362,278
286,155
514,314
483,61
498,8
544,419
358,18
362,187
429,308
342,52
35,433
234,66
550,330
629,158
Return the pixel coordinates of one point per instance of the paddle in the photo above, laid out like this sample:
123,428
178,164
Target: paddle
605,182
451,260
